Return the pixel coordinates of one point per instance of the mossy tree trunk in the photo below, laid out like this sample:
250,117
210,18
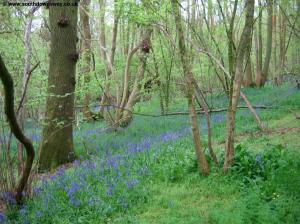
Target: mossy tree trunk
57,141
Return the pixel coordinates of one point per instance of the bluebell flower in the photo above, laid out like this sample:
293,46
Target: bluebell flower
73,189
8,197
36,190
258,158
39,214
131,183
74,202
23,211
2,218
111,188
123,203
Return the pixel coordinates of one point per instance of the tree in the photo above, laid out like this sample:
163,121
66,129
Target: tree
262,77
248,77
57,138
235,89
15,128
86,54
265,70
190,94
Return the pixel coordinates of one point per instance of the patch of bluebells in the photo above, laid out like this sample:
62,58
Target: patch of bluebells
8,198
108,184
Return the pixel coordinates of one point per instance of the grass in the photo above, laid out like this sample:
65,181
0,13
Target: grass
147,173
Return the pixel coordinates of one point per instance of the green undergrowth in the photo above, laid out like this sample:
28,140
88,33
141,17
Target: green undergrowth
156,180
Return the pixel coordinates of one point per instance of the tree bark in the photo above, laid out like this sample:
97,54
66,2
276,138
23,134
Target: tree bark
201,100
282,42
202,163
15,128
236,86
86,55
248,79
258,46
57,135
265,70
134,95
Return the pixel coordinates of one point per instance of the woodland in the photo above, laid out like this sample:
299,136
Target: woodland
147,111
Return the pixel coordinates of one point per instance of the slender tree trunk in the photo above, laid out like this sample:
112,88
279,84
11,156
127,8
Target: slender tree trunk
86,55
275,40
16,130
248,79
57,136
201,100
282,42
236,86
265,70
258,45
144,46
202,163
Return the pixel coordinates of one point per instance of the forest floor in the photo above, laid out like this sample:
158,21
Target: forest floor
147,173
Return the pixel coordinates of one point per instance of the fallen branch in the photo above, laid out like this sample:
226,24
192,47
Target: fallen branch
180,113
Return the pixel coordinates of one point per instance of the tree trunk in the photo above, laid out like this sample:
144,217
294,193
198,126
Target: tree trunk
275,40
16,130
258,46
248,79
265,70
202,163
282,42
57,136
201,100
86,55
144,46
236,86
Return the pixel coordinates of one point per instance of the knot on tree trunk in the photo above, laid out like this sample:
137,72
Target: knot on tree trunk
146,45
62,21
74,56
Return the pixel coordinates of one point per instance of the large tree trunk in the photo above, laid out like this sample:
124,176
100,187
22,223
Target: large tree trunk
236,88
16,130
86,55
57,139
202,163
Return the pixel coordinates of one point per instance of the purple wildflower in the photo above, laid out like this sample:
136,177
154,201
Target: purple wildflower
131,183
73,189
39,214
2,218
23,211
9,197
74,202
36,190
